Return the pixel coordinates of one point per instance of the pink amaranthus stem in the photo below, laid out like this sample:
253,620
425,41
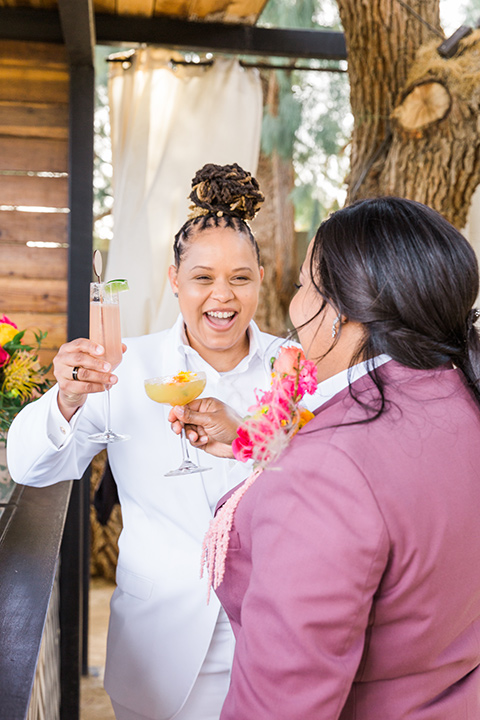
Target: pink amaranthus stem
215,543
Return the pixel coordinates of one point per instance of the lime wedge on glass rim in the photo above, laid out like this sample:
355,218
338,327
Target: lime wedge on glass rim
114,286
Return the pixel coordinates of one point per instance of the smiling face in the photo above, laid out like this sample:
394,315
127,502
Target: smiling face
218,284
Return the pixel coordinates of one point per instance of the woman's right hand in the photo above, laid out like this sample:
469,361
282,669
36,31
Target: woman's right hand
210,425
93,374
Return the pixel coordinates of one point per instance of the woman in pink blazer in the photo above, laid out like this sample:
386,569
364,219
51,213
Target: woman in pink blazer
352,579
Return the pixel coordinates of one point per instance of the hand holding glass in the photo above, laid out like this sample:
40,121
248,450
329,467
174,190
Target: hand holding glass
105,330
178,390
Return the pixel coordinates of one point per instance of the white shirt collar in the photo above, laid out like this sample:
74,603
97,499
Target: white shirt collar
185,349
335,384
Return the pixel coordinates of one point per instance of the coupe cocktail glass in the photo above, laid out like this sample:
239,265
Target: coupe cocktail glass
173,390
105,330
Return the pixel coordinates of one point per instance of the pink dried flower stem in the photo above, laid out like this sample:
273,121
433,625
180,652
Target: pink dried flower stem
262,437
217,538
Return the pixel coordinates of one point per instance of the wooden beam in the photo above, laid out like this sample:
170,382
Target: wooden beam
33,84
41,120
78,27
34,191
21,261
29,295
30,24
221,37
33,154
22,227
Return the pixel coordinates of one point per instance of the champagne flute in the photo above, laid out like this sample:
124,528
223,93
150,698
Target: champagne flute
173,390
105,330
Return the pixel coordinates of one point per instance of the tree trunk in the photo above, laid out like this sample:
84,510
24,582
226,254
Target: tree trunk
416,129
275,232
382,39
438,163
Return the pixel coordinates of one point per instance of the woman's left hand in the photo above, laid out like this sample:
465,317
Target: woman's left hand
210,425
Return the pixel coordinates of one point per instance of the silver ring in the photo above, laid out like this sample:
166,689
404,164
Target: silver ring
75,373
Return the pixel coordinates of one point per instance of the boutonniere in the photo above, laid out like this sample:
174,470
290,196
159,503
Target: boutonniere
263,435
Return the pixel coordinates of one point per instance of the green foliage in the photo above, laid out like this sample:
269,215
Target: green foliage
102,171
279,131
289,13
312,121
471,10
30,379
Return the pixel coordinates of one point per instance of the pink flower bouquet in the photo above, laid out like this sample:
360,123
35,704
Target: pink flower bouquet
277,416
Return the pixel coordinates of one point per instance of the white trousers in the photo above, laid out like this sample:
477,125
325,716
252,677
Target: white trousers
208,693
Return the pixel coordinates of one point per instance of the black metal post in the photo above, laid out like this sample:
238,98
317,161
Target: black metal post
74,578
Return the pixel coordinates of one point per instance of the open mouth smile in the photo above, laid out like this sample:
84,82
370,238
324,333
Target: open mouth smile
220,319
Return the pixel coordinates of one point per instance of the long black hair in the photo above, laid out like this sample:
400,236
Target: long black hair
409,277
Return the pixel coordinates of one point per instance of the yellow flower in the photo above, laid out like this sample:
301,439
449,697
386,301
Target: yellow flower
21,375
7,333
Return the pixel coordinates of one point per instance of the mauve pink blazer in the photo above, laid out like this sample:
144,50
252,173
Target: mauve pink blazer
353,573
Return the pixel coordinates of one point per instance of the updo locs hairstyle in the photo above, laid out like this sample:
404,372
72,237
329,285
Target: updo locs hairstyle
404,272
222,196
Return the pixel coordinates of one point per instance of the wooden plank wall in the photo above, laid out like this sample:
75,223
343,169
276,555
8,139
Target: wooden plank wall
34,176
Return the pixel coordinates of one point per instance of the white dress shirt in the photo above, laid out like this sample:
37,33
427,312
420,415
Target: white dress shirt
328,388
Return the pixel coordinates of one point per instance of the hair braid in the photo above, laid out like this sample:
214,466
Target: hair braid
222,196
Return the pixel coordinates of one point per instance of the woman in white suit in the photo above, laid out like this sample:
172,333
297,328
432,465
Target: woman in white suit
169,653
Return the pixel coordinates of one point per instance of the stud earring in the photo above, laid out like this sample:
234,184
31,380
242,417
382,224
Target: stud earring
334,326
175,294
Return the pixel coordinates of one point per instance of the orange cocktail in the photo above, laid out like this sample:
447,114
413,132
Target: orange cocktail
178,389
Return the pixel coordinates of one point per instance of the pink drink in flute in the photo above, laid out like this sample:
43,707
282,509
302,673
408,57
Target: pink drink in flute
105,330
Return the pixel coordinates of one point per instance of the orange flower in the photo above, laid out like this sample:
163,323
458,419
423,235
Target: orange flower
183,376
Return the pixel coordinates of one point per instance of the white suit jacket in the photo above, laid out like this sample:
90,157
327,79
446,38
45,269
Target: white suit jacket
160,625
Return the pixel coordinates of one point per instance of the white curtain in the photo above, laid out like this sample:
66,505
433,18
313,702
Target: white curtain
167,121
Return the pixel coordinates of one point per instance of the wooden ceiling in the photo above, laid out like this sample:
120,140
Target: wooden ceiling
242,11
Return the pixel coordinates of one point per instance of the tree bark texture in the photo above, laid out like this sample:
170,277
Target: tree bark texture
274,230
392,55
